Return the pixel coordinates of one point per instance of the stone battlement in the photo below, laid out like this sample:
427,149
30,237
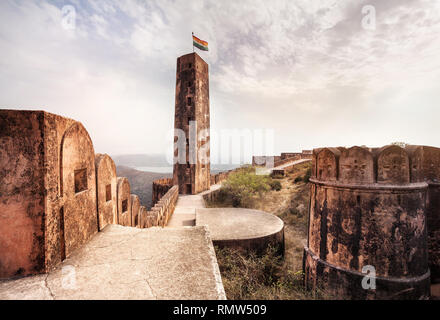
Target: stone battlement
390,165
373,207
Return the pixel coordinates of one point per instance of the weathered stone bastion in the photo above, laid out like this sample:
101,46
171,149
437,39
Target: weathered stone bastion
371,207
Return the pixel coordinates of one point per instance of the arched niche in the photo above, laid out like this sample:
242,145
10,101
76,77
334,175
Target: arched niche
393,166
356,166
124,202
106,190
78,188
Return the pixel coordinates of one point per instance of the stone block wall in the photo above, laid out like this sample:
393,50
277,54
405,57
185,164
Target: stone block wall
369,207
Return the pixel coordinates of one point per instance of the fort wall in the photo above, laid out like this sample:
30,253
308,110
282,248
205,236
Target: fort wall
284,158
56,193
106,190
368,208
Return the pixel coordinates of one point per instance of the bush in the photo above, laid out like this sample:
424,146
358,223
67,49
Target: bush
243,184
298,179
275,185
261,277
307,175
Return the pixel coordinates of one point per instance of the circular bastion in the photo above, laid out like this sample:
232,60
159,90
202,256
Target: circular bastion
368,214
243,229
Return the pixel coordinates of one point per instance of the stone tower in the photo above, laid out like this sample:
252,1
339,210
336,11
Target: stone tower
192,168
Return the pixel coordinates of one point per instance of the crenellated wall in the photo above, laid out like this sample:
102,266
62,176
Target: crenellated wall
160,188
285,157
371,207
162,211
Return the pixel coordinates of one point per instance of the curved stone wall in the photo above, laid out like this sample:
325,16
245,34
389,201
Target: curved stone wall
78,185
105,190
367,210
243,229
124,202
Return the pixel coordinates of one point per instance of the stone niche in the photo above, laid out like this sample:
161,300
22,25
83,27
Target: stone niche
124,202
106,190
327,161
78,184
356,166
47,190
135,207
393,165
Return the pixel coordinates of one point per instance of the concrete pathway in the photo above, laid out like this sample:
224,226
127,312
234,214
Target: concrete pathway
185,211
293,163
268,171
130,263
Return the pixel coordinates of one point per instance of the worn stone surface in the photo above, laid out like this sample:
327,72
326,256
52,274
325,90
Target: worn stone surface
364,211
130,263
21,193
124,202
192,104
40,153
78,187
425,166
106,190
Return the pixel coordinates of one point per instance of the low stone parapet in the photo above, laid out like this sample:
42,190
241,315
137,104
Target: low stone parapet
162,211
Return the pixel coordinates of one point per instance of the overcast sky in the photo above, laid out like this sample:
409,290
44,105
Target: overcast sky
307,69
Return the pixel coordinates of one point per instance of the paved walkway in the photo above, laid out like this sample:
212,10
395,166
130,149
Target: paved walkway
291,164
185,211
130,263
268,171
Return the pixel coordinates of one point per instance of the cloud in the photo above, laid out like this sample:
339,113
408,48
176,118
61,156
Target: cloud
305,68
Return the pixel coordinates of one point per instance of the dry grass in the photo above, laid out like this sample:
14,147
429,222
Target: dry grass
242,275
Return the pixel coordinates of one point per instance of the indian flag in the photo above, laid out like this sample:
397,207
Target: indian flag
202,45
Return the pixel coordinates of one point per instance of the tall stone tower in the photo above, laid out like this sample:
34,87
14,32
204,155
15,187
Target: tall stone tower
191,171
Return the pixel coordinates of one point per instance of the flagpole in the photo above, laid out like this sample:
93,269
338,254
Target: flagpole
192,40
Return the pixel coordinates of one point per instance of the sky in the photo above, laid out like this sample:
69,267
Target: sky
318,73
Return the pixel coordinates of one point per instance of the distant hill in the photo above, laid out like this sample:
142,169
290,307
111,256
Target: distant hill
160,161
141,182
141,160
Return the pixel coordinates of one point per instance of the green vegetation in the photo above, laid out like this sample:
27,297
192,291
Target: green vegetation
242,186
248,276
275,185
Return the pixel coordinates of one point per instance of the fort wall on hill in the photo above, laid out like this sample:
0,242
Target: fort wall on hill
285,157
